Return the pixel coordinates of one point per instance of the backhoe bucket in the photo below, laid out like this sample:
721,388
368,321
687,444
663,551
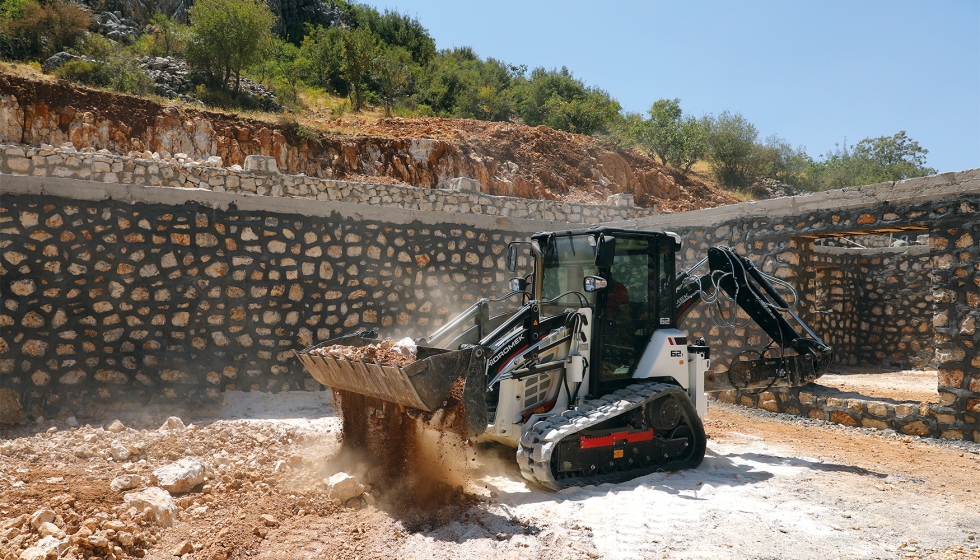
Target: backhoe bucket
446,388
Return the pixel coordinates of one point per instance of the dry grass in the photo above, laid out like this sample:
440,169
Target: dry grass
702,171
29,71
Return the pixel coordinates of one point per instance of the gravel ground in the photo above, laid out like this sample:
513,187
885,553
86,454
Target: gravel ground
771,486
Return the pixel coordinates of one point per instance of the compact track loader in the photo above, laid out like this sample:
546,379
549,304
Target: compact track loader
589,377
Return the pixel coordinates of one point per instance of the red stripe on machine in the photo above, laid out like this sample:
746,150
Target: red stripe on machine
611,439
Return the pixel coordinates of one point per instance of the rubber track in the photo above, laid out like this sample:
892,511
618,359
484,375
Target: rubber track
539,442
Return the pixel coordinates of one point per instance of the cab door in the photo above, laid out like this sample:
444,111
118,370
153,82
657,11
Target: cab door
638,299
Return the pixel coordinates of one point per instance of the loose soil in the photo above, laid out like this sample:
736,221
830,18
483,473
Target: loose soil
383,352
771,486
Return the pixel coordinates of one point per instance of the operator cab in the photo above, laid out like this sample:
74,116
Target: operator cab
637,270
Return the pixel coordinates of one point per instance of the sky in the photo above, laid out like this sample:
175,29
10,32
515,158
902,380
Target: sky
812,72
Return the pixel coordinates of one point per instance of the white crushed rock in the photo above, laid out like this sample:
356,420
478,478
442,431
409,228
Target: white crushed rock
126,482
119,451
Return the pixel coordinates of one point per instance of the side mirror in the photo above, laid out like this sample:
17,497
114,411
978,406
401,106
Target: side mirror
511,259
594,283
517,284
605,252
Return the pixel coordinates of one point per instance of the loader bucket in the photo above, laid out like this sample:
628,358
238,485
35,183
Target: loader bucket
446,388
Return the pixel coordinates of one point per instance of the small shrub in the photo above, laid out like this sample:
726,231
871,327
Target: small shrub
86,72
118,72
224,99
96,47
41,30
289,124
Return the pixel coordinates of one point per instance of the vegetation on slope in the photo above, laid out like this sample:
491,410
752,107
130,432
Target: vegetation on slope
390,61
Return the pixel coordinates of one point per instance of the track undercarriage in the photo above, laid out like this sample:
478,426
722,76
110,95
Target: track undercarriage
638,430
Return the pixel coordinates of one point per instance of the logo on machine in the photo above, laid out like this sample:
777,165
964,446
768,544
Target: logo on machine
675,353
505,350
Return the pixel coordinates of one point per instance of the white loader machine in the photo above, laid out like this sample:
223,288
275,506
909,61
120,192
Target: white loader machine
590,378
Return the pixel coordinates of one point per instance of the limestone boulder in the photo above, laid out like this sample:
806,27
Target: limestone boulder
162,508
126,482
179,477
172,423
119,451
48,547
343,487
42,516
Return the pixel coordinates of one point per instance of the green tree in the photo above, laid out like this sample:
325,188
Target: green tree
731,142
445,80
487,92
321,58
227,36
358,49
169,34
283,70
778,159
557,99
626,131
872,160
664,136
892,158
399,30
393,76
676,139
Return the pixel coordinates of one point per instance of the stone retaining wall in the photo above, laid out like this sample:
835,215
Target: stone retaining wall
921,419
119,292
465,199
779,236
109,288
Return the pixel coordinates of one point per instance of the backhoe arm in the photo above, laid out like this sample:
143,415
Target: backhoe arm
793,358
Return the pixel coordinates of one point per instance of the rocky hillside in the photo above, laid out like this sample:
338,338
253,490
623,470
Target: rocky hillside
507,159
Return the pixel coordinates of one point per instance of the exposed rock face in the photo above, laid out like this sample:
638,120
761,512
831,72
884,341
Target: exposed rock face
174,80
171,76
58,60
115,27
506,159
293,15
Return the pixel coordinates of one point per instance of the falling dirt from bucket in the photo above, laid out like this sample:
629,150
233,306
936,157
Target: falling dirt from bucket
414,468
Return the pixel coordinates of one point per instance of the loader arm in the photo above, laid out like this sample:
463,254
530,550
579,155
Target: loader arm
752,291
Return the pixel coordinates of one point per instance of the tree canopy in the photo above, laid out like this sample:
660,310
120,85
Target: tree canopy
227,36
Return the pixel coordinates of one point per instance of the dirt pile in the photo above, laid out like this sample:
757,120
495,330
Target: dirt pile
119,492
386,352
506,158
